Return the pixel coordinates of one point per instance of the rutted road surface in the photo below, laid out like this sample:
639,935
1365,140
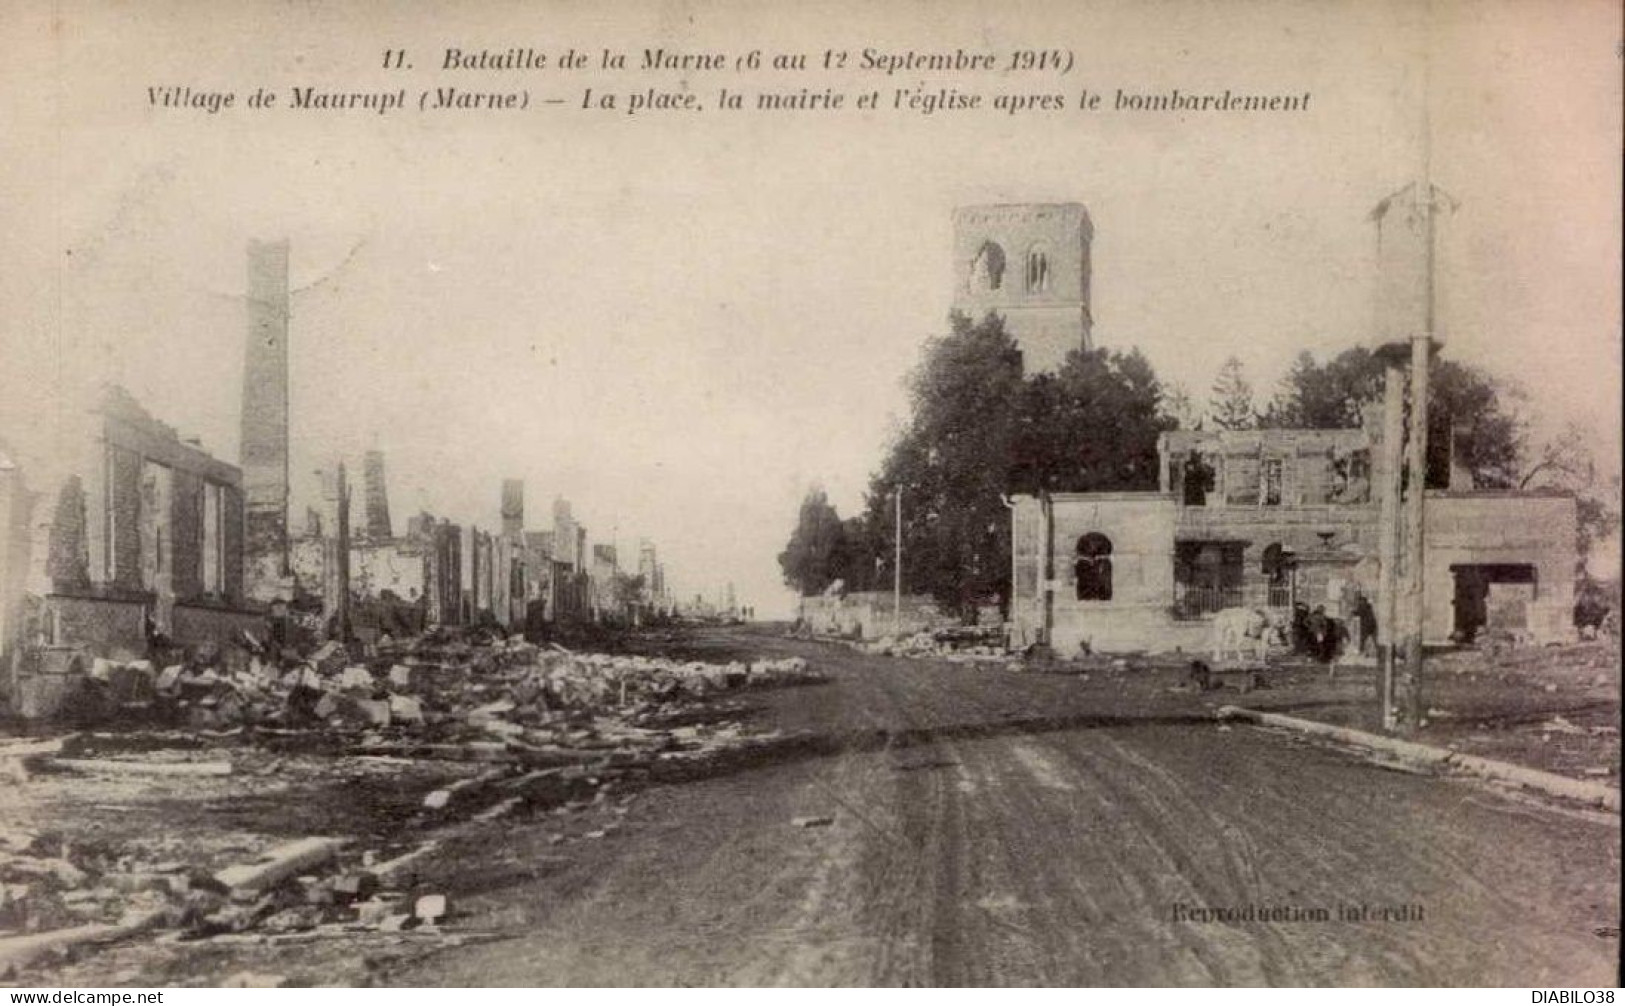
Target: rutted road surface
971,845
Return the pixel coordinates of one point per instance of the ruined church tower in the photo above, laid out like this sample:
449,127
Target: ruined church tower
1029,263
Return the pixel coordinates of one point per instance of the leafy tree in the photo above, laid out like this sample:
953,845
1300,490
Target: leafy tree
1565,463
859,561
812,558
1177,409
1467,409
1230,407
980,430
1314,396
1091,427
951,464
1476,415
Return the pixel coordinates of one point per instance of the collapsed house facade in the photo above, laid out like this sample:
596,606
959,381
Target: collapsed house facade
121,540
1271,519
130,537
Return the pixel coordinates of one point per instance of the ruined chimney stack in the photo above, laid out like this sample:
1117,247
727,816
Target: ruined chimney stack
513,507
264,450
378,525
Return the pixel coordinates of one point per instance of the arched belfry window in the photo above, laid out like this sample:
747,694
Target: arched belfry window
1093,567
1037,270
987,269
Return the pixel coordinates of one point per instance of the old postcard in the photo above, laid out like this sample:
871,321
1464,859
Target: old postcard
712,492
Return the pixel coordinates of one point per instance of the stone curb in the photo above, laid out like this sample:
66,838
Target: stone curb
1425,754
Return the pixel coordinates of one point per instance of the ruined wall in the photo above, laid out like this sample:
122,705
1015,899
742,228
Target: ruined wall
124,502
1140,528
871,615
397,566
1489,528
16,511
1315,467
198,623
444,574
104,627
1031,264
67,564
186,519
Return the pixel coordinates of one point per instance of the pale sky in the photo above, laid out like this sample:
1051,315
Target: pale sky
681,320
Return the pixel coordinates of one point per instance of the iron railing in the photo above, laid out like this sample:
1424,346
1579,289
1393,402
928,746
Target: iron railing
1195,601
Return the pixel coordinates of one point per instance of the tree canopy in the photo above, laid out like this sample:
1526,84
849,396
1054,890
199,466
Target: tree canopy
1471,414
1467,407
979,430
812,559
1230,407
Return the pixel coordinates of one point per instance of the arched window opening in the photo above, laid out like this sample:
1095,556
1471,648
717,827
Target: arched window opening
1093,567
987,269
1037,271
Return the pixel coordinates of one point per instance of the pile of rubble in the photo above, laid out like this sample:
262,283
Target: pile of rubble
562,731
967,644
56,895
413,687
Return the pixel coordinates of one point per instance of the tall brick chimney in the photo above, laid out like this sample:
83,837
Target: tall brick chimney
378,526
264,448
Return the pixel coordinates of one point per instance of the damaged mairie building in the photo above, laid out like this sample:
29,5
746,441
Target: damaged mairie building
1270,519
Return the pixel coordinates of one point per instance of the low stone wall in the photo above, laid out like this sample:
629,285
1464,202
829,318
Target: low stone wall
870,615
196,624
101,626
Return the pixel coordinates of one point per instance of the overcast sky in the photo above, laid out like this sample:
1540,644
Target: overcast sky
681,321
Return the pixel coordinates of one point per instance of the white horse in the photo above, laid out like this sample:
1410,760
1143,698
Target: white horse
1233,628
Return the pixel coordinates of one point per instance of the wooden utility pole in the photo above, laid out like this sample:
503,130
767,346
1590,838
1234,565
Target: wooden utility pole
1413,593
897,571
1388,540
1405,223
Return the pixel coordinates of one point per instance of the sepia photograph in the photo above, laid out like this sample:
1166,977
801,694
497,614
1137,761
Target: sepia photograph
735,493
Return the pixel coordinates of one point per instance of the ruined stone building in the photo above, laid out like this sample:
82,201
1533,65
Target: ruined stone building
1270,518
603,574
510,593
478,560
132,535
655,598
1030,264
570,592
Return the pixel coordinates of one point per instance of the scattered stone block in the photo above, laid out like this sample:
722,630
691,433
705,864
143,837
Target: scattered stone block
430,908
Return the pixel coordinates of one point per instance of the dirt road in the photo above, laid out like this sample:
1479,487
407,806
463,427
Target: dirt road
990,827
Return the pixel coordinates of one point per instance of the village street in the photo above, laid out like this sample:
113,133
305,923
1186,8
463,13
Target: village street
992,827
865,820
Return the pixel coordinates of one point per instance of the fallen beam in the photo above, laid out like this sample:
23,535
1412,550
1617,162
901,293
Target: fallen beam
463,788
105,766
280,863
388,872
20,951
31,749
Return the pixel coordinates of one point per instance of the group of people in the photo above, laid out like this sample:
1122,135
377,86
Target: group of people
1314,633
